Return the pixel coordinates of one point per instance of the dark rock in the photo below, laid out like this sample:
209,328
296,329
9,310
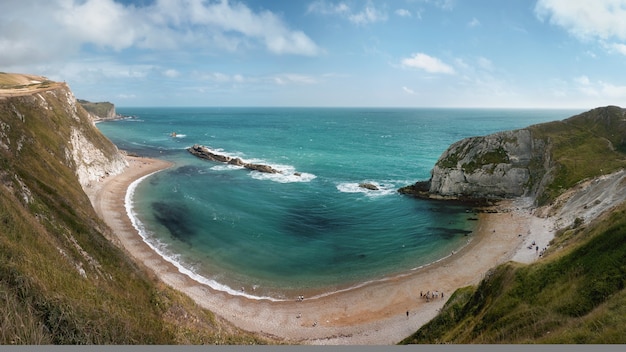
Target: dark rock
236,161
369,186
205,153
261,168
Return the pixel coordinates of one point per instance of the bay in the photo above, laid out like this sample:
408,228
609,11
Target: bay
278,235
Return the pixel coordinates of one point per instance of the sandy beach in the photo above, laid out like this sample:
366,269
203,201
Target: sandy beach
375,314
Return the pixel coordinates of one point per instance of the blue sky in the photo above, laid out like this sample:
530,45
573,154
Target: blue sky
394,53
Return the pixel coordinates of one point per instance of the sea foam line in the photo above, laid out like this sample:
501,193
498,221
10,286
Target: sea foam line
141,230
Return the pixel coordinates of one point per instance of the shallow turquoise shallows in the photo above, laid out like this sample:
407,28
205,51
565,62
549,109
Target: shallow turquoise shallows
279,235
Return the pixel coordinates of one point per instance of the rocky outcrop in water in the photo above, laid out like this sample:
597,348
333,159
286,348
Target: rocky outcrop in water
205,153
370,186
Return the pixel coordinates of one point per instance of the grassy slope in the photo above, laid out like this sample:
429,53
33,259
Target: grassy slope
574,295
61,281
583,146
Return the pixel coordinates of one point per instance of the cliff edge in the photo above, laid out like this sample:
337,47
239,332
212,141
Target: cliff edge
61,280
43,111
540,161
99,111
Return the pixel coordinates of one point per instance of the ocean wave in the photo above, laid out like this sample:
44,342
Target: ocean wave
384,189
161,250
226,167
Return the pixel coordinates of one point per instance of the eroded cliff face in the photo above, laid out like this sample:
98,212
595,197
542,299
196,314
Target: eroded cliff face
49,121
501,165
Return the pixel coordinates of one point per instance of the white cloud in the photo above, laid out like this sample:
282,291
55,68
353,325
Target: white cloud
325,8
369,14
620,48
408,90
43,31
171,73
602,89
598,19
366,15
474,23
291,78
220,78
613,91
485,63
403,13
427,63
582,80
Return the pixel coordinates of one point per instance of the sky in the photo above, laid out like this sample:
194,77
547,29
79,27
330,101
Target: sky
324,53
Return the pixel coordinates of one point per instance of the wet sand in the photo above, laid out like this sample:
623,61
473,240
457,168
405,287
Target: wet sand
375,314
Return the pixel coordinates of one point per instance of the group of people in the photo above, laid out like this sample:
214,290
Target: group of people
430,295
536,247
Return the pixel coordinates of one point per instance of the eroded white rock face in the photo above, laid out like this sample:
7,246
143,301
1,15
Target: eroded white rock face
91,163
497,166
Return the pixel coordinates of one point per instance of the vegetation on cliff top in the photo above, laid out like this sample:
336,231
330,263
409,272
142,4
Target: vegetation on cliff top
61,280
99,109
582,147
576,294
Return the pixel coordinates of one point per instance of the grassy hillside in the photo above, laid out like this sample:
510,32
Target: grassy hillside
61,280
581,147
576,293
575,296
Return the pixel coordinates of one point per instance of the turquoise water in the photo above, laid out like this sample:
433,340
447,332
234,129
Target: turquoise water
280,235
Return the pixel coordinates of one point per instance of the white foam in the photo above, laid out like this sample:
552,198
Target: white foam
161,249
283,176
384,189
287,173
180,135
226,167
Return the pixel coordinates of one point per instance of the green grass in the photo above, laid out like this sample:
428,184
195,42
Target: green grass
576,295
582,147
61,280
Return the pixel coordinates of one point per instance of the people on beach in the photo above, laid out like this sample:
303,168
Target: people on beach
431,295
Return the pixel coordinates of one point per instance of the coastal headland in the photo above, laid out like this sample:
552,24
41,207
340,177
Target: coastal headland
380,312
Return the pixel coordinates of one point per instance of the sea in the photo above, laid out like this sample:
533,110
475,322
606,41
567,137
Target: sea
311,228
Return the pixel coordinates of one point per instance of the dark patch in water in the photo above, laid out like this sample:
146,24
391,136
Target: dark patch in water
186,170
448,233
175,218
311,222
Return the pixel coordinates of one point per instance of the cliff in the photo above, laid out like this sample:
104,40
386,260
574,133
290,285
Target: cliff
100,110
61,280
576,292
540,161
29,120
